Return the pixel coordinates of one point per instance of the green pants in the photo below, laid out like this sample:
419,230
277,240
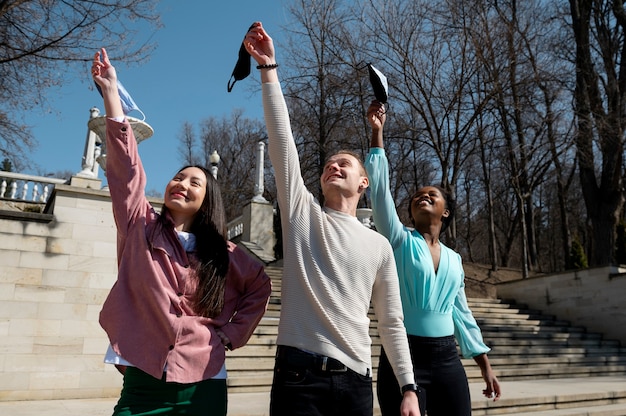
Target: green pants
144,395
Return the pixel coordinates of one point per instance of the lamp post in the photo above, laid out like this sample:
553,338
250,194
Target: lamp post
214,158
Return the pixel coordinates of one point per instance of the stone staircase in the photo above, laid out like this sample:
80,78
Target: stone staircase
547,367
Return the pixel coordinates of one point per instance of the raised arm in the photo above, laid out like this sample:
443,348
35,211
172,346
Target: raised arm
125,175
292,195
376,117
384,210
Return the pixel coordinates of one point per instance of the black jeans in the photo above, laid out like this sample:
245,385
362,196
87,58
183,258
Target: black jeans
312,385
439,373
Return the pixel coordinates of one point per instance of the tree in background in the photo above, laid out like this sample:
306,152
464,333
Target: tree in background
325,85
39,39
235,138
599,30
620,243
6,165
480,102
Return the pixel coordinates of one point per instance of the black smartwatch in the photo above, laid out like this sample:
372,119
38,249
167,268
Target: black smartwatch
410,387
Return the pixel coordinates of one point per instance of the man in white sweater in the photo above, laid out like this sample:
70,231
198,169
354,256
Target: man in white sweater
333,267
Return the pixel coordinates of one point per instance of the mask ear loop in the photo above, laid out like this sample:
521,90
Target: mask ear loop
142,114
231,83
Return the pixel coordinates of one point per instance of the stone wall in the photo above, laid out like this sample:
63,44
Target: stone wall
55,272
593,298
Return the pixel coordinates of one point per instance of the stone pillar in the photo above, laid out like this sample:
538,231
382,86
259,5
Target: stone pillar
92,150
258,218
259,186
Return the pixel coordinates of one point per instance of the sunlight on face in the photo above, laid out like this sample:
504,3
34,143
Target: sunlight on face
185,193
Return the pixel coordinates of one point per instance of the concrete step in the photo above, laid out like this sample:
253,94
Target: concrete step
530,351
607,410
550,361
529,373
595,396
543,397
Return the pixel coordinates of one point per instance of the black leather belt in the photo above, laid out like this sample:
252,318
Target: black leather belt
299,358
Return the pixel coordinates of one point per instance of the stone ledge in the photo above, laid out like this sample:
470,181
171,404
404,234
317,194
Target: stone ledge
25,216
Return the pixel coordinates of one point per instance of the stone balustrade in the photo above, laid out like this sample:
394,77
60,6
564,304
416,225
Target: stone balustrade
26,188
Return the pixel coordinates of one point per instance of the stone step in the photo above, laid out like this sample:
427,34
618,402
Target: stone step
549,397
554,360
526,373
246,378
535,355
496,320
603,396
618,409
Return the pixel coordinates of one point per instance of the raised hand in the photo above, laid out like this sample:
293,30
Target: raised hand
260,45
105,77
376,115
102,71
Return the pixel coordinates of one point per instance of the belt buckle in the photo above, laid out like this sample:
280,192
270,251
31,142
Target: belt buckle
332,370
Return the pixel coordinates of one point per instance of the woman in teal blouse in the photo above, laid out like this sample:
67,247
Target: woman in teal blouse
432,291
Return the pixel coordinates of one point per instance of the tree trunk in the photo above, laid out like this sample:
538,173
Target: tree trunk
604,198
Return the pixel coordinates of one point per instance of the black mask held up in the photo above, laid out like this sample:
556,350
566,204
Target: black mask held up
242,67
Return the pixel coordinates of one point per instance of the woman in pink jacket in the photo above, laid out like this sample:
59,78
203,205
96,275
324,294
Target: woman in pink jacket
184,294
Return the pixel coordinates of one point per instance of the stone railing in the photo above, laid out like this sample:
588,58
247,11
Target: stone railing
235,227
26,188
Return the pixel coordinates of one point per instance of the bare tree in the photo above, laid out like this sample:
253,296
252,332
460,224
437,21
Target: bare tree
429,61
187,144
324,86
235,138
480,102
599,29
510,38
42,40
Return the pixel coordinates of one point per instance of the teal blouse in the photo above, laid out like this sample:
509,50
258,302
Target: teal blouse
434,303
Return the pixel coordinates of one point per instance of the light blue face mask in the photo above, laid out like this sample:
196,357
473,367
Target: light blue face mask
128,104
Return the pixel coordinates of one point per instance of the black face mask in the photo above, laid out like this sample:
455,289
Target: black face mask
379,84
242,67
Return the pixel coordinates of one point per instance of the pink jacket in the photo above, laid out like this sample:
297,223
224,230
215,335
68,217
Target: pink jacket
148,313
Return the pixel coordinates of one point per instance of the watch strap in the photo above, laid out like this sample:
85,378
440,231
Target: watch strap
410,387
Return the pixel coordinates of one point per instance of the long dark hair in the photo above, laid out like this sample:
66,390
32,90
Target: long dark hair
209,227
450,206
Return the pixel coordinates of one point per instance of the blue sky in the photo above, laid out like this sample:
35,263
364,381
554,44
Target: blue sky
184,80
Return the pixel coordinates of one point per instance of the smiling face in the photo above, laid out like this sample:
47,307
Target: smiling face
185,193
344,173
428,205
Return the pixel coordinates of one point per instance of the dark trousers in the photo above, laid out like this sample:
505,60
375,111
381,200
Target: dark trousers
312,385
144,395
439,373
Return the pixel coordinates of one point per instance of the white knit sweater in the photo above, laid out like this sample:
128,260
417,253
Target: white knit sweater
333,267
